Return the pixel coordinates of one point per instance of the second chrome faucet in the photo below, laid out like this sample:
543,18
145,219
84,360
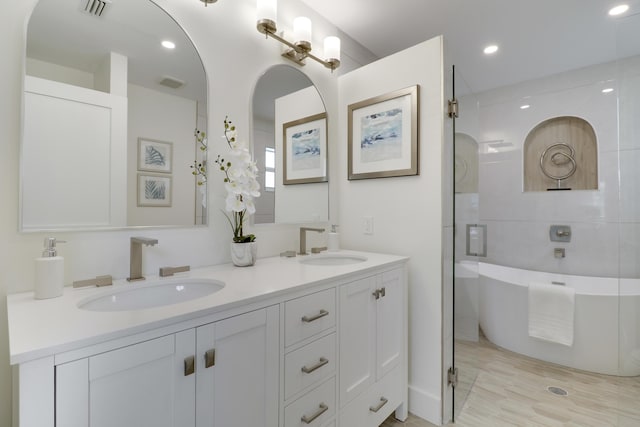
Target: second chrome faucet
303,238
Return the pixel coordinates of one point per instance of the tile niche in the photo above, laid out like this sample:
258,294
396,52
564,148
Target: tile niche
561,153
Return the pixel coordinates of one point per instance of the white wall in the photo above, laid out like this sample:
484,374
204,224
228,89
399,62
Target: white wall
162,117
407,211
232,68
298,202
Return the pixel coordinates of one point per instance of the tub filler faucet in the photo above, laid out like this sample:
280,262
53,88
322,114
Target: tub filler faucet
135,260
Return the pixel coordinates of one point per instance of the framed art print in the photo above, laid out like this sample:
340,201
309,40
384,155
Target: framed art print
304,152
154,156
154,190
383,135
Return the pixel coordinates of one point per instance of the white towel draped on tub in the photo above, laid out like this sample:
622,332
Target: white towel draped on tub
551,310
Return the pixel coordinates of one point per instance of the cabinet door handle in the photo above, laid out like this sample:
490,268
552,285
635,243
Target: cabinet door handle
383,401
189,365
209,358
383,291
376,293
322,409
320,364
309,319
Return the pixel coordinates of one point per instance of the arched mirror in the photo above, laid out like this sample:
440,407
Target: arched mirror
113,92
290,141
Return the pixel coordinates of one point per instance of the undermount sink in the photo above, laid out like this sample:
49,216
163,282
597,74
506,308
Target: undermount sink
333,259
136,296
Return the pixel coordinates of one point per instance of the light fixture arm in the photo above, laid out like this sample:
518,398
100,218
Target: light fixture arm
296,52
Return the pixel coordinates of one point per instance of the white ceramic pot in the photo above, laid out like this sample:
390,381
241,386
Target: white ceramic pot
244,254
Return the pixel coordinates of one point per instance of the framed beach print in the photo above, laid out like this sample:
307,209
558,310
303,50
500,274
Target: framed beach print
154,190
383,135
154,156
304,150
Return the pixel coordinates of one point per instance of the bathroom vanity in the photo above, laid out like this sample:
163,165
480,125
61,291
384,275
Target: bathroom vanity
307,341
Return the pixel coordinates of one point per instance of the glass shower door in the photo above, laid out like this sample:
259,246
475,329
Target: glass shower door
469,241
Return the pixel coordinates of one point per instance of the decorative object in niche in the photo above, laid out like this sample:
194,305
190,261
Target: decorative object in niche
304,153
299,50
383,135
154,190
154,156
561,153
558,156
240,182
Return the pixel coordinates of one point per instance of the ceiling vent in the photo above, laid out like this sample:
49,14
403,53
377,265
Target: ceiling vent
95,7
171,82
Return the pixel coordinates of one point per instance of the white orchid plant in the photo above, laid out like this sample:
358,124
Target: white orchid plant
240,182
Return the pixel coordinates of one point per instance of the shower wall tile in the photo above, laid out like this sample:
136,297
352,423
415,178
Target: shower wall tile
630,186
593,250
629,250
630,111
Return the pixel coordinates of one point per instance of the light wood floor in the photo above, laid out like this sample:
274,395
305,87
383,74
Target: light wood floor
511,390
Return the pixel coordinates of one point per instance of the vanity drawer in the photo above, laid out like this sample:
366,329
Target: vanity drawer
371,408
309,364
309,315
314,408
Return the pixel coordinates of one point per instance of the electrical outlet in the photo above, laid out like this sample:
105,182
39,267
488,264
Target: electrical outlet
368,225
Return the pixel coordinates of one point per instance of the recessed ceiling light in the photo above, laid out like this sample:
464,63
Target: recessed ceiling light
168,44
607,90
525,106
490,49
618,10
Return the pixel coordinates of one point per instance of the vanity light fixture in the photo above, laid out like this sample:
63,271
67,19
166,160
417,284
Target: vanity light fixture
299,50
618,10
525,106
607,90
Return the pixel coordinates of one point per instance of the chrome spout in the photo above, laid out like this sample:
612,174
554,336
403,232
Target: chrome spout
135,259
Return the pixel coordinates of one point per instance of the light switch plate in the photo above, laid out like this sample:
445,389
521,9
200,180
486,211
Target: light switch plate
368,225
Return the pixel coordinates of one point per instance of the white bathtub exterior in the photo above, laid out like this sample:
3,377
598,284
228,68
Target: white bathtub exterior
606,322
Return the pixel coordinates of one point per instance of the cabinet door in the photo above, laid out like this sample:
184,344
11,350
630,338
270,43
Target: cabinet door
357,337
140,385
241,388
390,318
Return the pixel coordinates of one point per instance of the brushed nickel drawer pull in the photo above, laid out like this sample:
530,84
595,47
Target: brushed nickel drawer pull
210,358
383,402
318,365
323,408
376,293
308,319
383,291
189,365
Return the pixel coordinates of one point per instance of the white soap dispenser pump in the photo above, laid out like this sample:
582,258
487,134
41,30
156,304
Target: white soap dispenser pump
49,271
333,239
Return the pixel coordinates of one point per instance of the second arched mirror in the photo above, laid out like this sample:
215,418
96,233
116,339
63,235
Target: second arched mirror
289,114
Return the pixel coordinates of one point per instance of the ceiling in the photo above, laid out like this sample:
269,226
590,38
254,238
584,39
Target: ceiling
536,37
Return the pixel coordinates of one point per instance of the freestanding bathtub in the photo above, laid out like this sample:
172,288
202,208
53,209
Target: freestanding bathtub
606,322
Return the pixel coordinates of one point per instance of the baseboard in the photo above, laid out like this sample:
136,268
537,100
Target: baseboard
425,405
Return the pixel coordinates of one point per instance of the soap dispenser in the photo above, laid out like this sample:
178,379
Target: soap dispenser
49,271
333,240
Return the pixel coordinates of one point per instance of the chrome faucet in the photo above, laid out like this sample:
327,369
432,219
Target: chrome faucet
303,238
135,260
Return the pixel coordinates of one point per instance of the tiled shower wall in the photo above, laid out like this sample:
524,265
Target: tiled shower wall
605,223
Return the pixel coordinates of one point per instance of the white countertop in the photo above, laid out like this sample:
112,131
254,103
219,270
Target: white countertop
40,328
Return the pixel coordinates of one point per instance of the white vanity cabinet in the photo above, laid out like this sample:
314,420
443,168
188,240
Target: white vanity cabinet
281,345
373,334
217,375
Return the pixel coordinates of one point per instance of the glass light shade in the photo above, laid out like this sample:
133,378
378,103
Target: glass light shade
267,9
332,48
302,29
